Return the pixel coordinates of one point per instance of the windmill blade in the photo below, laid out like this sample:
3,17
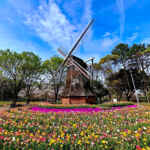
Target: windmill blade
61,52
80,70
76,64
75,45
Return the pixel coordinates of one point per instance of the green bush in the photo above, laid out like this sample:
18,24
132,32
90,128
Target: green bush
71,107
142,99
117,104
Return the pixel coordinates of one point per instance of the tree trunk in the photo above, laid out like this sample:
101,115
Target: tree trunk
145,94
55,89
119,97
110,97
28,94
128,96
2,93
14,101
56,97
28,100
147,97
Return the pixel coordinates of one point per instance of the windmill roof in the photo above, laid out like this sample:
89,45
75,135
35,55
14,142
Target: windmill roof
80,61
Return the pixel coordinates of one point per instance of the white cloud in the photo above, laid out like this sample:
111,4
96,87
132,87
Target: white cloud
129,3
122,5
121,8
107,43
132,38
98,48
73,8
20,46
51,25
88,10
17,45
102,45
9,40
146,40
10,20
107,34
22,6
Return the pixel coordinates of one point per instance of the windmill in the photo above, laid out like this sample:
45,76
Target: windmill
77,89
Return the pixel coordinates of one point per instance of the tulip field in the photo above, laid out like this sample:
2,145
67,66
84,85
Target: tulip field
38,128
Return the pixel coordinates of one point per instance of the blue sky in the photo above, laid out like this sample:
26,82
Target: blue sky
43,26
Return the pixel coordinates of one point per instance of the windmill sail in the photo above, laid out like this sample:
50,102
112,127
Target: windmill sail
73,62
75,45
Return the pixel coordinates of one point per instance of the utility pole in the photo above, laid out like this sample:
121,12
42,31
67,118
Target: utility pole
137,98
91,68
92,60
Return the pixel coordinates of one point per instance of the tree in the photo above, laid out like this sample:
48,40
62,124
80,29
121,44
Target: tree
100,90
122,51
32,70
10,64
146,56
96,71
135,56
139,59
117,82
50,67
2,81
108,65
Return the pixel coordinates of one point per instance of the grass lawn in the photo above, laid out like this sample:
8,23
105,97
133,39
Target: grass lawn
124,129
7,103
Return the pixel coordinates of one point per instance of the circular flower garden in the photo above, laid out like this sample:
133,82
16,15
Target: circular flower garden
39,128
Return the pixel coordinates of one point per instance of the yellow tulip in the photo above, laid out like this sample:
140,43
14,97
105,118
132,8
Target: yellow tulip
79,142
104,142
5,132
74,125
52,141
129,131
137,135
147,148
82,133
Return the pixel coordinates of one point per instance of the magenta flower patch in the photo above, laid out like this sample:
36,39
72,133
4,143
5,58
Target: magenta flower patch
46,110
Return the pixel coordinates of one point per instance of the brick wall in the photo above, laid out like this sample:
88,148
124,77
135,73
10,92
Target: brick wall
78,100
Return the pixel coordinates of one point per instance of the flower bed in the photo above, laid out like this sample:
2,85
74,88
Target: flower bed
122,129
119,104
61,106
47,109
